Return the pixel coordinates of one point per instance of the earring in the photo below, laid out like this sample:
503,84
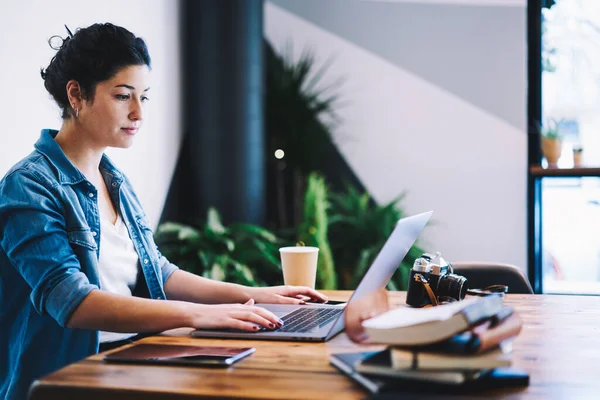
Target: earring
76,110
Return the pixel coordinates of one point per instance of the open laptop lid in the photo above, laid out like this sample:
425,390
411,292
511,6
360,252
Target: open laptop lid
390,256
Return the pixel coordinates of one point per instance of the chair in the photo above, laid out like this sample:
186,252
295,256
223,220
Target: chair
481,274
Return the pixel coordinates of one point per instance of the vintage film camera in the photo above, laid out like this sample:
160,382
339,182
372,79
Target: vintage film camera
432,280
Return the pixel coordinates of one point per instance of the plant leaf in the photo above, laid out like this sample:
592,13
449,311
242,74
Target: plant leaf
214,221
188,233
217,272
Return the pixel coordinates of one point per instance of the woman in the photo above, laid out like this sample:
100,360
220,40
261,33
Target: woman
76,250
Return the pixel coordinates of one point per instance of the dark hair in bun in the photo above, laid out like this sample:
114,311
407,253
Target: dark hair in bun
92,55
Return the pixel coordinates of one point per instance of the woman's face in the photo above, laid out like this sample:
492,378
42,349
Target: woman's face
116,114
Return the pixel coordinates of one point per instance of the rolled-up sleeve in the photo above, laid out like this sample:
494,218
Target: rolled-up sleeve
34,237
166,267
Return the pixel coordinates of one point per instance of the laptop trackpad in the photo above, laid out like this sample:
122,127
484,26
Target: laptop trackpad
279,309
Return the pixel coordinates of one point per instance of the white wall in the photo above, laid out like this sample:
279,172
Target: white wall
465,159
26,107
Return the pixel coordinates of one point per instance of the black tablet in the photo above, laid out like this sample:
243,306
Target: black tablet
170,354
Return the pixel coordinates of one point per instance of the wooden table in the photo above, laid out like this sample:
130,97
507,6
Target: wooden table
559,346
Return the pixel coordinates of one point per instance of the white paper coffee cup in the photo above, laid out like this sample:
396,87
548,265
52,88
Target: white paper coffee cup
299,264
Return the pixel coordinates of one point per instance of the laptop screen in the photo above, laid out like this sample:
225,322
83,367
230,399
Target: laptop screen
390,256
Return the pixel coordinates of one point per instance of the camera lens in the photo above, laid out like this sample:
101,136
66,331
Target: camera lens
452,285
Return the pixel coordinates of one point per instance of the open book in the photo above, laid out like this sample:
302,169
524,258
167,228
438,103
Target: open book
406,326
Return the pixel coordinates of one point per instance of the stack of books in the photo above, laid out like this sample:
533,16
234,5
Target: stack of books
466,344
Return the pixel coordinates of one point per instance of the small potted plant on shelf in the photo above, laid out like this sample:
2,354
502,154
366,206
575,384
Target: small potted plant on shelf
577,155
551,142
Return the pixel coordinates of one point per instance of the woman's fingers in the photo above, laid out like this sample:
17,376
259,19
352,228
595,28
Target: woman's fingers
241,325
282,299
268,315
312,294
256,315
237,316
317,296
256,318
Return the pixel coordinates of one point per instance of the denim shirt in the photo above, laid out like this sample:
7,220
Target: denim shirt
49,248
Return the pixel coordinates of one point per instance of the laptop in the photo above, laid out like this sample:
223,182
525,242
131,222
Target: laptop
320,322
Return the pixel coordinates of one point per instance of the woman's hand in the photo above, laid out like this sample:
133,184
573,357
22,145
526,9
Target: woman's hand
245,316
286,295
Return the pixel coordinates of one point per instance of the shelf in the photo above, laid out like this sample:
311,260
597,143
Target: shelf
539,171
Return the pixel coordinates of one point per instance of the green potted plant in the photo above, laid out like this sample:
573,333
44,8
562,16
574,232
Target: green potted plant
358,229
551,142
313,231
239,253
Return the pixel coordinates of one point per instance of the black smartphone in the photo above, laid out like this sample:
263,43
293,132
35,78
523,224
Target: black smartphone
335,302
168,354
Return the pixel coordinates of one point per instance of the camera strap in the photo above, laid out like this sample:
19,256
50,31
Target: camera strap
432,296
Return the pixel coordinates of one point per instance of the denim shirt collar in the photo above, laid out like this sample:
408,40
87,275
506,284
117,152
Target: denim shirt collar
68,174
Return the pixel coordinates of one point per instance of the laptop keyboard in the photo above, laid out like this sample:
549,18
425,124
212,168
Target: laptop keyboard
305,319
300,320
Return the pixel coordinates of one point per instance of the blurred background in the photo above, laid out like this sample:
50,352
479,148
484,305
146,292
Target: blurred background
316,120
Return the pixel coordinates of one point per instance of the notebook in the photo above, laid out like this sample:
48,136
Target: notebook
374,372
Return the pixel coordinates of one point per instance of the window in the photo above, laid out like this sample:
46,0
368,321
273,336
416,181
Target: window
570,98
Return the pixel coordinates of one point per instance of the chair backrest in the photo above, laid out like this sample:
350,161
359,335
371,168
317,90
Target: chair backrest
481,274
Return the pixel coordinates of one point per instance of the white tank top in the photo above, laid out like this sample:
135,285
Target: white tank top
117,266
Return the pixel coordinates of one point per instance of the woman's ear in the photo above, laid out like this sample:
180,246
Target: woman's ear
74,94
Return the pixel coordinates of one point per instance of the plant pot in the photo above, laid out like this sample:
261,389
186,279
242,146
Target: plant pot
551,149
577,156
